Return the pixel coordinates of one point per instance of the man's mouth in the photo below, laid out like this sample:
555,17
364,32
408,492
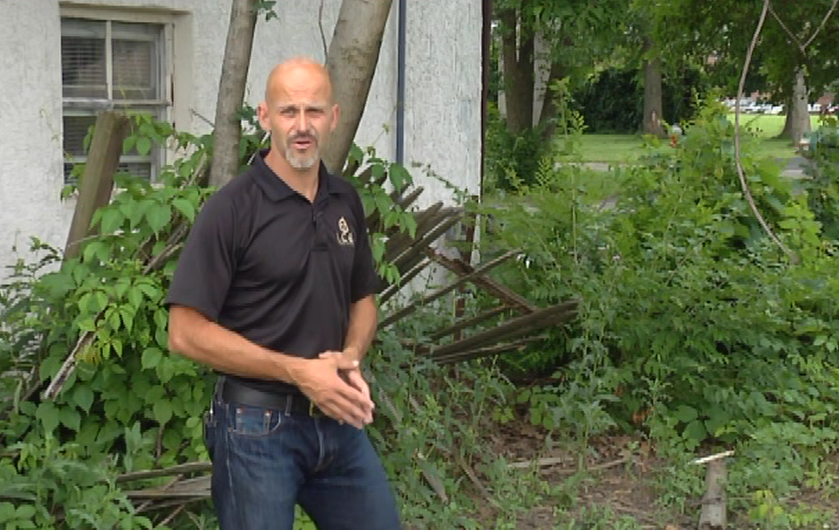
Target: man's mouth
303,143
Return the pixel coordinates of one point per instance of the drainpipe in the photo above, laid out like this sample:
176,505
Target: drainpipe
400,83
486,39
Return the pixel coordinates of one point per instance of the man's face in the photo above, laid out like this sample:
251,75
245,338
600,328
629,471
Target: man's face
299,113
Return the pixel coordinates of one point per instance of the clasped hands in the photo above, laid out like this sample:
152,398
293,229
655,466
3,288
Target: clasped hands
336,385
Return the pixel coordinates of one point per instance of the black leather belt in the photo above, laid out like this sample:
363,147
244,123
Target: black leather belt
233,392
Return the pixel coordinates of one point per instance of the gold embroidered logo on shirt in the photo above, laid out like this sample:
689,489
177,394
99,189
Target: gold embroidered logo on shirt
344,235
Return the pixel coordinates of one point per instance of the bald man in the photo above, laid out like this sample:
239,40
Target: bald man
274,290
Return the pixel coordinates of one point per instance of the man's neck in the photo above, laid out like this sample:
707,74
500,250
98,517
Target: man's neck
304,182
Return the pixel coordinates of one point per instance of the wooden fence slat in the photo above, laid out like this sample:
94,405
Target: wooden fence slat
97,182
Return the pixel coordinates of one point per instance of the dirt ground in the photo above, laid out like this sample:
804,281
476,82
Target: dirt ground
620,482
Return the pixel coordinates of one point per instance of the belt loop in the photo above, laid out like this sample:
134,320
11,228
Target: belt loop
219,388
288,402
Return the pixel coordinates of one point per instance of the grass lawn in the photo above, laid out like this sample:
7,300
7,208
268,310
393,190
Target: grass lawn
617,148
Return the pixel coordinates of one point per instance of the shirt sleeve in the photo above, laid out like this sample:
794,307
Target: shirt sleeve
364,280
207,262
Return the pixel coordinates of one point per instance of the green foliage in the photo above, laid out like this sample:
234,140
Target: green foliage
514,161
56,486
823,169
612,101
693,324
374,184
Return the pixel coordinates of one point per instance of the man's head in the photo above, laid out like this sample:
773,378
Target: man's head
298,111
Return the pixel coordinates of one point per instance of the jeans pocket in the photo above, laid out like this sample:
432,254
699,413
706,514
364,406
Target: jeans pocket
253,421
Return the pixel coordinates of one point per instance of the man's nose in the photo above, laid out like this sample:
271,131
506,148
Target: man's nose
302,123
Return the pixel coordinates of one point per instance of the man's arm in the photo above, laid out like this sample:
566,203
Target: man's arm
193,335
362,328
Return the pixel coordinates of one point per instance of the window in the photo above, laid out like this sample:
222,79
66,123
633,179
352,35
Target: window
110,64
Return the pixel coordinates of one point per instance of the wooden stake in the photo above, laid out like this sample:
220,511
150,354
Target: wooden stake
98,180
713,516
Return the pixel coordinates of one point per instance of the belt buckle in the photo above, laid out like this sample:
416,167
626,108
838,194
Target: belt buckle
312,408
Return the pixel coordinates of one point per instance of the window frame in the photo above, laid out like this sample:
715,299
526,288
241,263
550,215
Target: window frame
161,107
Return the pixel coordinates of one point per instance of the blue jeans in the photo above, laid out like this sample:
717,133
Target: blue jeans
266,461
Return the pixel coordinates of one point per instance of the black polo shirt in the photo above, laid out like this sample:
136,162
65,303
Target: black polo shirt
263,261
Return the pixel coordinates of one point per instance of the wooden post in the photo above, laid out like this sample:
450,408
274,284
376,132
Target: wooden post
98,180
713,516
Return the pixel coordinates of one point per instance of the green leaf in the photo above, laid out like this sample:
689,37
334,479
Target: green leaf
143,145
47,413
159,216
90,250
112,220
399,176
101,300
121,286
128,144
356,154
695,431
50,366
70,418
151,291
87,324
151,358
117,346
185,207
166,370
83,397
84,303
127,315
162,411
25,511
112,318
137,211
135,296
685,414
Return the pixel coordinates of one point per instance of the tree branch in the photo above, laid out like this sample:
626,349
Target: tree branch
738,163
785,28
824,21
322,35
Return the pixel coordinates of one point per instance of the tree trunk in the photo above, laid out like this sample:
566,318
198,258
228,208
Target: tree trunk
231,92
652,93
351,61
518,73
547,118
800,114
787,130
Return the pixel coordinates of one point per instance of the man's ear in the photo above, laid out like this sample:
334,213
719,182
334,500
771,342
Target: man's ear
262,115
336,113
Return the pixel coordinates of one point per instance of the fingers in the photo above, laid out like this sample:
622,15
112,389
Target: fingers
341,362
355,379
346,410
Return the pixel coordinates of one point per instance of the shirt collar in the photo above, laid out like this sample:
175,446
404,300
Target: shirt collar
276,188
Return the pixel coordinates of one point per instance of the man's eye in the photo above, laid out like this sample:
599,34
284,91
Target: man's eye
288,112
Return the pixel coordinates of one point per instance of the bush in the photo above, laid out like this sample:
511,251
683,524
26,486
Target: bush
692,322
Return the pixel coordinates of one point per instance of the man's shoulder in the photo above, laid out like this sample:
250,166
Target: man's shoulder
236,194
341,186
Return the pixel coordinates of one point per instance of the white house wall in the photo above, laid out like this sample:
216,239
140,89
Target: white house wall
442,106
